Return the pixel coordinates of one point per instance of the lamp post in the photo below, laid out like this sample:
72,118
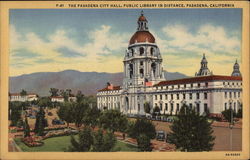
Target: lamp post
231,130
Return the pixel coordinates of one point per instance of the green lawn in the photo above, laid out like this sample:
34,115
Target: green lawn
60,144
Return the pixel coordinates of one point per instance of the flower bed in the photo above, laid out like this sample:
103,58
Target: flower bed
32,141
35,141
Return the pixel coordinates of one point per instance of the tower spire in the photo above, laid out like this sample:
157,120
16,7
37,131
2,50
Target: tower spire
236,69
142,23
204,71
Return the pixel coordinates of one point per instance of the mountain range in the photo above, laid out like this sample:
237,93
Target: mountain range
88,82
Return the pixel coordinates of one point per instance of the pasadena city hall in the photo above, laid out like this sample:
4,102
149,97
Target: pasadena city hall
144,81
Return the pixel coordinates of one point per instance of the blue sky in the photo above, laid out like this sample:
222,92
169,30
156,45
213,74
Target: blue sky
96,39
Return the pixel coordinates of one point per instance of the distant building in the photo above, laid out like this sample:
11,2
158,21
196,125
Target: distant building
144,81
17,97
57,99
72,99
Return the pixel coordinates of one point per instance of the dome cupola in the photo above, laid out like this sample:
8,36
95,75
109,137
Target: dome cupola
236,70
142,35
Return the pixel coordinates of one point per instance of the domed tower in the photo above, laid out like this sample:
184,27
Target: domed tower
204,71
236,70
142,61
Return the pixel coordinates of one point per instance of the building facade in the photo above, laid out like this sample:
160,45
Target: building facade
144,81
22,98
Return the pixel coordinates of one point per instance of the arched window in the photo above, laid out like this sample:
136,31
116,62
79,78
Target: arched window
152,51
132,51
141,73
141,51
153,67
131,70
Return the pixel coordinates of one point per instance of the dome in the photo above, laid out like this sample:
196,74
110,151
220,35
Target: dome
142,36
142,18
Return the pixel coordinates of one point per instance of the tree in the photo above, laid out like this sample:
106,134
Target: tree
141,126
15,112
26,128
65,113
53,92
44,102
147,107
78,112
84,142
144,143
98,144
156,110
23,92
113,120
239,113
191,131
109,141
103,142
79,96
227,114
41,122
91,116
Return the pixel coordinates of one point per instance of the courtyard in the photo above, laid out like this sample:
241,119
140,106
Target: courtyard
60,144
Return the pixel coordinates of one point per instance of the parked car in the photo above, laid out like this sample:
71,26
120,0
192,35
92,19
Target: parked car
170,119
57,122
160,135
32,117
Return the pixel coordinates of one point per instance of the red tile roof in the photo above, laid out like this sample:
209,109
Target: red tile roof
18,94
199,79
114,88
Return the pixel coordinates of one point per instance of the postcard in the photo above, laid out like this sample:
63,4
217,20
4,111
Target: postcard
124,80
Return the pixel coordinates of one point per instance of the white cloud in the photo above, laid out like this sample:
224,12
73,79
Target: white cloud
101,47
214,38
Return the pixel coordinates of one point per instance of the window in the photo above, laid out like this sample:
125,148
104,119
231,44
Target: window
233,83
141,51
141,73
166,106
160,97
223,83
184,96
172,87
239,94
162,87
155,97
166,96
234,106
190,95
132,52
197,95
155,104
206,84
152,51
177,95
177,107
178,86
161,106
230,94
225,95
234,94
139,107
141,63
198,107
205,95
172,107
190,105
172,97
184,85
199,85
191,85
205,107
